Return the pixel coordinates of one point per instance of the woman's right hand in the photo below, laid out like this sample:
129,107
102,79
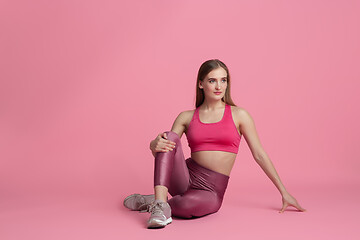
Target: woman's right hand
161,144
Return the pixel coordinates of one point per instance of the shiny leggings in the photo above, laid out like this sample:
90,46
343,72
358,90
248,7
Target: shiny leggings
196,190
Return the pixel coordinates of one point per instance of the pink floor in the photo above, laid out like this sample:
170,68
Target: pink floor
333,213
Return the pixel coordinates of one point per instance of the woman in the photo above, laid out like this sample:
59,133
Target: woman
213,130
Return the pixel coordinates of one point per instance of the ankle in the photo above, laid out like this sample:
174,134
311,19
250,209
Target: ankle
161,193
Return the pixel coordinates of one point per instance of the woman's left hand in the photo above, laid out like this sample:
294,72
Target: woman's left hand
289,200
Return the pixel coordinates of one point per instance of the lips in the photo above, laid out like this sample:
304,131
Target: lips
217,93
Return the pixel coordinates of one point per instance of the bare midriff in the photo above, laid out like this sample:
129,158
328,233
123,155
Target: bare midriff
218,161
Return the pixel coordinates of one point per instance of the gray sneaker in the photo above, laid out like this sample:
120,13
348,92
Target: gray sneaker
160,214
138,202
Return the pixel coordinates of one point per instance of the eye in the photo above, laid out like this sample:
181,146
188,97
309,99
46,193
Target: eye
224,80
211,80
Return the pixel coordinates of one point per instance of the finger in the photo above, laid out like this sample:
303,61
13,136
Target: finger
300,208
164,150
165,136
168,148
171,143
167,142
285,205
161,136
163,147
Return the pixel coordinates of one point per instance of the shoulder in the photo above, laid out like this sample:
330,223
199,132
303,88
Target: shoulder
185,116
240,114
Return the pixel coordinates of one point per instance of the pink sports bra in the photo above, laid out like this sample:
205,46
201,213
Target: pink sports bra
219,136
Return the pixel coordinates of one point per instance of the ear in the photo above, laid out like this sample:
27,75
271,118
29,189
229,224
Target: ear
200,85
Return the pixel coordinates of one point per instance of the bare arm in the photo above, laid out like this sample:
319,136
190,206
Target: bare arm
247,128
179,124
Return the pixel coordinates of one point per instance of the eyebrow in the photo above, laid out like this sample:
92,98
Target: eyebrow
215,78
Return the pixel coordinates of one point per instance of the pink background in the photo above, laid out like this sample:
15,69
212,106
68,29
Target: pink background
86,85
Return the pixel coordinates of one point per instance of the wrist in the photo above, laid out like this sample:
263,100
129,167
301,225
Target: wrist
284,192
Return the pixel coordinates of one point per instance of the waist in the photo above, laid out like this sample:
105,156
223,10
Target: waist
218,161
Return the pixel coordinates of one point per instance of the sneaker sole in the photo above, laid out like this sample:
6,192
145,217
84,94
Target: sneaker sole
132,195
159,224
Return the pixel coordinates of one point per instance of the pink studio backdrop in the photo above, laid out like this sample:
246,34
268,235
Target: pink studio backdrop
86,85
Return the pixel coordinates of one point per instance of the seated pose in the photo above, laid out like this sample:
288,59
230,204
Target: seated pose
213,130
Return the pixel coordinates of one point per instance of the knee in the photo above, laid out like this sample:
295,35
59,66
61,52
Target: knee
172,136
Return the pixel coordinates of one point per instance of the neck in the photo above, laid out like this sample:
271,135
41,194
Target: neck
212,105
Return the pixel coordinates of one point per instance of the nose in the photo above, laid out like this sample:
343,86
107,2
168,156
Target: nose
218,84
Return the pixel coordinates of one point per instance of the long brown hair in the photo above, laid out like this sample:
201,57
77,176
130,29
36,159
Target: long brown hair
204,70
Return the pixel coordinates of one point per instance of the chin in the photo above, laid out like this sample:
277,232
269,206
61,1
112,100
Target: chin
217,98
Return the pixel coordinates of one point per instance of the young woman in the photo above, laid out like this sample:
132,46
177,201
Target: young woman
213,130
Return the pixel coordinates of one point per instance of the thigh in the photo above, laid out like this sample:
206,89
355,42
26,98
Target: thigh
194,203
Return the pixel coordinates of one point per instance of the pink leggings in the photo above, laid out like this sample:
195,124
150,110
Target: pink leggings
196,190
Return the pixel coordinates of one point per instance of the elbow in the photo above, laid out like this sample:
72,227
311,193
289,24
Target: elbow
260,157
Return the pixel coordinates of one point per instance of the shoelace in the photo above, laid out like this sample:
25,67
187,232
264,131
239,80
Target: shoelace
144,206
141,201
154,208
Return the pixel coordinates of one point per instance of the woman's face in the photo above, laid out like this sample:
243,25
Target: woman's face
214,84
